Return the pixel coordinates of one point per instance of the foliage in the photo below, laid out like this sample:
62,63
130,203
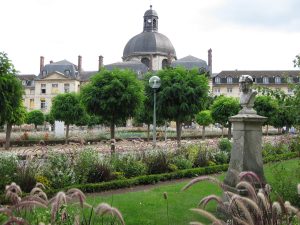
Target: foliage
181,95
266,106
221,157
204,118
224,107
113,95
296,61
224,145
67,107
83,163
203,157
49,118
8,169
129,165
181,162
58,169
100,171
275,148
35,117
25,176
11,89
158,162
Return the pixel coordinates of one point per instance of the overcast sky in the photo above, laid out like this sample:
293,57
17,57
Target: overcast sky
243,34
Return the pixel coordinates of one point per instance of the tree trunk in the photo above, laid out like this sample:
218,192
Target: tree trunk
8,133
35,127
165,131
112,137
222,131
203,132
67,134
229,130
148,132
267,129
178,133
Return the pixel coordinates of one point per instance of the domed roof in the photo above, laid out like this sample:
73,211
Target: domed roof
150,12
149,43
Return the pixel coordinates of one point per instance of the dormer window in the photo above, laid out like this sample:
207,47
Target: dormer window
277,80
217,80
44,72
67,72
229,80
265,80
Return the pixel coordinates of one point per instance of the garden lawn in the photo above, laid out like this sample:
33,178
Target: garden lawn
149,206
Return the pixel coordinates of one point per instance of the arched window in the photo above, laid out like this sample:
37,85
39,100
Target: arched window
277,80
229,80
164,63
217,80
265,80
154,23
146,61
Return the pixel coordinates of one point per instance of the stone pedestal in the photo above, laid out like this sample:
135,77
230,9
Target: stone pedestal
246,153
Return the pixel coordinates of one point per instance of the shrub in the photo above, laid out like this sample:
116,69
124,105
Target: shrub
221,157
273,149
129,165
100,171
158,162
83,163
26,174
58,169
8,169
181,162
203,157
224,145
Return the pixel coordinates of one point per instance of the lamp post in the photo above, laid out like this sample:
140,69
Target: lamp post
154,83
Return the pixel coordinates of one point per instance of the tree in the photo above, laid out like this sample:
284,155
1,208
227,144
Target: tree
204,118
35,117
67,108
181,95
11,92
223,108
114,96
266,106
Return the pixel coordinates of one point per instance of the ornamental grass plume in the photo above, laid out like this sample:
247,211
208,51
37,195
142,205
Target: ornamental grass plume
104,208
255,208
13,193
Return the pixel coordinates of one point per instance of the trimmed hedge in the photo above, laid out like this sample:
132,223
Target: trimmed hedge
280,157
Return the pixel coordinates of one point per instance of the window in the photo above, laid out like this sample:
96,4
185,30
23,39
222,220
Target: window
146,61
229,80
265,80
277,80
154,23
44,72
43,88
217,80
217,90
32,91
67,72
31,103
24,82
290,80
229,90
164,63
43,103
54,89
67,88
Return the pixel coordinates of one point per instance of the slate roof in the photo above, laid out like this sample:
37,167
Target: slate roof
149,43
259,73
62,67
136,66
27,76
86,75
190,62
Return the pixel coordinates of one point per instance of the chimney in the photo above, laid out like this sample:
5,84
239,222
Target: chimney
41,63
100,66
210,61
79,63
51,61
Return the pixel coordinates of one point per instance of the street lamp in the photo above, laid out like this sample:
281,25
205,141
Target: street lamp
154,83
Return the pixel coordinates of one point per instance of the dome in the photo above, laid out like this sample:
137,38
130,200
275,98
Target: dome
149,43
150,12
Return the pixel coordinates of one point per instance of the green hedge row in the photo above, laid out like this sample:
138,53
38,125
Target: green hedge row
280,157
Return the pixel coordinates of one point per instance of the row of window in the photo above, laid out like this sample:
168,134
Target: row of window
28,82
265,80
217,91
66,72
54,89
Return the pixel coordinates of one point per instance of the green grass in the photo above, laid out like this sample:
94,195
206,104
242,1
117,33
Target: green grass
149,207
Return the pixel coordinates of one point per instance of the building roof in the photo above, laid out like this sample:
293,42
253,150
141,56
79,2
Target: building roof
149,43
190,62
86,75
259,73
136,66
27,76
65,67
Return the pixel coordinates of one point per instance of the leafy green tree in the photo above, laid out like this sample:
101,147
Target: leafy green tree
67,108
222,108
11,92
49,118
181,95
204,118
35,117
266,106
114,96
